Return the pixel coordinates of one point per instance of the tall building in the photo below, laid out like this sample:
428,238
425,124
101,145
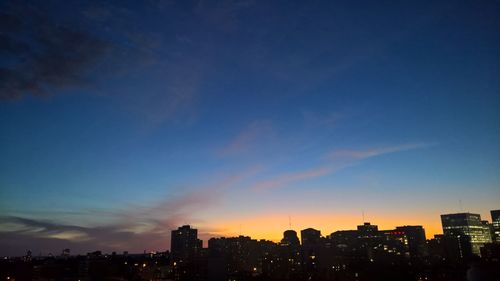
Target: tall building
495,221
290,238
289,252
415,237
310,237
185,243
468,225
239,253
451,248
311,244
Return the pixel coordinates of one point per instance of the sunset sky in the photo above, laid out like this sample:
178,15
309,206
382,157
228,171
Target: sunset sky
122,120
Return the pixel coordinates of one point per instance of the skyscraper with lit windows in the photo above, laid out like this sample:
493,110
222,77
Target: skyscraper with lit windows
467,225
495,221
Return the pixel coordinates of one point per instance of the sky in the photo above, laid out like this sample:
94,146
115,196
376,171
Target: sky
122,120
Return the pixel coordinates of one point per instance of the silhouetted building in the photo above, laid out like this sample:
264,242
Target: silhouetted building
370,243
415,239
343,237
495,222
344,243
241,254
185,243
310,237
491,252
367,230
447,247
290,238
289,253
468,225
311,249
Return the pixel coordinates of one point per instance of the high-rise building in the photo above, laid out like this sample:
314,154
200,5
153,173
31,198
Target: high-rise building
468,225
449,247
289,251
311,244
495,221
185,243
239,253
290,238
415,237
310,237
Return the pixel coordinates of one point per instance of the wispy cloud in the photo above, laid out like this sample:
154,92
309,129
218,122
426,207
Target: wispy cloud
288,178
378,151
335,161
314,119
134,228
248,138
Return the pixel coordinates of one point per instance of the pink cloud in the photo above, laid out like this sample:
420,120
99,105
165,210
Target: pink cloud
372,152
336,161
313,119
247,138
292,177
133,228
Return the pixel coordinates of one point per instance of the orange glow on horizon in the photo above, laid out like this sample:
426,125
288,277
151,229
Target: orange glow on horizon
271,227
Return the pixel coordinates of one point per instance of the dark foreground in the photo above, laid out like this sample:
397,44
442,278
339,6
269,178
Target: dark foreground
160,267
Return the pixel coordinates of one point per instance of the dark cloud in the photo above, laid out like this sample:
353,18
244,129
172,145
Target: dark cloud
40,56
45,236
49,237
135,229
9,23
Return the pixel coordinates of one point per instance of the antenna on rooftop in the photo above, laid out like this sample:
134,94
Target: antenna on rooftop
289,222
363,216
460,205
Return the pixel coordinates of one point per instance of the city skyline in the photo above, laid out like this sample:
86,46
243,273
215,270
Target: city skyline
120,120
297,232
465,250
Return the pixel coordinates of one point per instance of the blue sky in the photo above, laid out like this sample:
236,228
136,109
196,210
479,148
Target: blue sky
121,120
